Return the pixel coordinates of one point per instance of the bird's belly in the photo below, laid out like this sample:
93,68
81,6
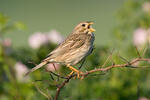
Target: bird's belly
82,52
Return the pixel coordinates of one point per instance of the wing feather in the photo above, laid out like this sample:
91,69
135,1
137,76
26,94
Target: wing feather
72,42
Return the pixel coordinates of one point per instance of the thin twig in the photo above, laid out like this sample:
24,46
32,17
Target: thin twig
81,64
108,58
61,86
144,51
31,62
138,52
58,75
52,76
124,59
56,71
44,94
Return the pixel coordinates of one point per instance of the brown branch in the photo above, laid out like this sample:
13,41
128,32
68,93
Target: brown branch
58,75
115,66
130,63
61,86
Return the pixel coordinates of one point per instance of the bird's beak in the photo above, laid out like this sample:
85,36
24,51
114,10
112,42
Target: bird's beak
91,29
90,23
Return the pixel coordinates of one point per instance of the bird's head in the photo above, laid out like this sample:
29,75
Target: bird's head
84,27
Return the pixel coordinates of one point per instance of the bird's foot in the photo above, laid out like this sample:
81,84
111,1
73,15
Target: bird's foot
75,71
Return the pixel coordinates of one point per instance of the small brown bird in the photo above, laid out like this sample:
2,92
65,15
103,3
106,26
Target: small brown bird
76,47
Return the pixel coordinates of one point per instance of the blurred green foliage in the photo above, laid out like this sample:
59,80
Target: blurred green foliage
116,84
5,26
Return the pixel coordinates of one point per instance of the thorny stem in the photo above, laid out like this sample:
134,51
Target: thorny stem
130,63
115,66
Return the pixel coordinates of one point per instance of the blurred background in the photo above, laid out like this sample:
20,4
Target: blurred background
29,30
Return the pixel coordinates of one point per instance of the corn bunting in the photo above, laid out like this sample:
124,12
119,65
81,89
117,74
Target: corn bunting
76,47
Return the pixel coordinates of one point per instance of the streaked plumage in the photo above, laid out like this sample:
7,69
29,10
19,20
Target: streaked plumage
77,46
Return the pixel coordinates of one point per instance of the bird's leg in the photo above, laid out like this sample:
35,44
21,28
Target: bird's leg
71,73
74,70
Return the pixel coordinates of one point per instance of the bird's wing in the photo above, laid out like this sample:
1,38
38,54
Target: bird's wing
72,42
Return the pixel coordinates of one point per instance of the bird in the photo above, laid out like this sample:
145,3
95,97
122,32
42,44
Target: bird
75,48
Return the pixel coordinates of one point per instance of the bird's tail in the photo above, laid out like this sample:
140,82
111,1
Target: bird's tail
36,67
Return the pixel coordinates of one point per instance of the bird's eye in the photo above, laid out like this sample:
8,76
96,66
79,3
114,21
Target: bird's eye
83,25
89,27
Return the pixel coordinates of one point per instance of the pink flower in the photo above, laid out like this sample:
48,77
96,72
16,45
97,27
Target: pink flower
52,67
143,98
37,39
55,37
21,69
146,6
7,42
139,37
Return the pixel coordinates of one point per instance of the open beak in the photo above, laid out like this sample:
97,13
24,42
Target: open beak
91,29
90,23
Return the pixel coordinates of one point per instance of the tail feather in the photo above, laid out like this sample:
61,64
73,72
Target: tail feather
36,67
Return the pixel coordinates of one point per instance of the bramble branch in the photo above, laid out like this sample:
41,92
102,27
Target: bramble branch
130,63
61,86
